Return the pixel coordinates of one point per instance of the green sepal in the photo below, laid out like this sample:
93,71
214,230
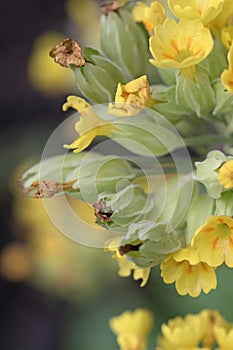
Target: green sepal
224,99
124,42
224,204
95,176
201,207
97,80
216,61
198,96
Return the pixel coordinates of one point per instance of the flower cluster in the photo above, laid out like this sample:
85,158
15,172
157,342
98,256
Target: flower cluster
157,86
207,330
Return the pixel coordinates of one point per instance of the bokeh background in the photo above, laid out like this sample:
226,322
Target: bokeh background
56,294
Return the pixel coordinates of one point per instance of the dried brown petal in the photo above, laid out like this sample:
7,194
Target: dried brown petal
124,249
47,188
111,6
68,52
100,211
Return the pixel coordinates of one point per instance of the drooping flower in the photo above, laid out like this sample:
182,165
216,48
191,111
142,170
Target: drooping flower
206,11
151,15
183,333
131,98
89,126
225,175
132,329
214,241
227,75
180,45
125,266
189,273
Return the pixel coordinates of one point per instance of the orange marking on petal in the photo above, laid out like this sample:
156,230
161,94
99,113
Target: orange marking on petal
174,45
215,242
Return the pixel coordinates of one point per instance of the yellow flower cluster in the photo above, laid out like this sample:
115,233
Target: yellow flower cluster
193,268
205,330
132,329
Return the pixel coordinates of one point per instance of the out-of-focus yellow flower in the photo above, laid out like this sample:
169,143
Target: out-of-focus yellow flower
227,74
227,36
180,45
183,333
46,76
214,241
151,15
225,175
132,329
223,19
131,98
224,337
190,275
212,319
206,11
85,15
89,126
125,266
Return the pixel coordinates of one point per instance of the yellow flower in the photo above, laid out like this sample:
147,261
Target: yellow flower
206,11
213,318
227,75
180,45
183,333
223,19
89,126
224,337
47,77
130,99
227,36
225,175
151,15
132,329
189,273
214,241
125,266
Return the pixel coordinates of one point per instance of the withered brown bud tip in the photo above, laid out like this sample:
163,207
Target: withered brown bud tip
110,6
68,52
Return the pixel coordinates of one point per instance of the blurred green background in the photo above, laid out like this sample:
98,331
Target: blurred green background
54,293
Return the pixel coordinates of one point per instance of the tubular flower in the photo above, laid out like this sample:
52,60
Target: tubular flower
189,273
227,36
125,266
132,329
183,333
180,45
206,11
225,175
227,75
89,126
214,241
130,99
151,15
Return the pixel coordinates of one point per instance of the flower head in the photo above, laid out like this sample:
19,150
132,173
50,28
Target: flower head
227,75
180,45
183,333
151,15
189,273
125,266
132,329
214,241
206,11
131,98
89,126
